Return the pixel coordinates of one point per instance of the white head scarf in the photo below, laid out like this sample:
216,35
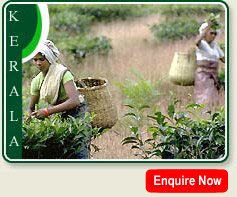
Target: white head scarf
50,51
204,25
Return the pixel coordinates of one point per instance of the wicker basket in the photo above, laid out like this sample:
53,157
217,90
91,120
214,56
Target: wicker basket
99,101
182,71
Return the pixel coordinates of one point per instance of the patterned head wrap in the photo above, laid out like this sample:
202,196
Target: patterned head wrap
50,51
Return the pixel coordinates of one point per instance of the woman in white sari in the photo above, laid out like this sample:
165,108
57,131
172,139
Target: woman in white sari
208,53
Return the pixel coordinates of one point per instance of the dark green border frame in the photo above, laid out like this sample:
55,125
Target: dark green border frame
118,161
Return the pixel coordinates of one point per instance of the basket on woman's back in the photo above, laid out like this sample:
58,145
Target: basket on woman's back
182,70
99,101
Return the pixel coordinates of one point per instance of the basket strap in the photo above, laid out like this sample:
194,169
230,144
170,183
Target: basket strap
68,67
75,77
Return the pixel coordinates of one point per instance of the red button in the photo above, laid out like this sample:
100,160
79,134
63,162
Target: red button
187,181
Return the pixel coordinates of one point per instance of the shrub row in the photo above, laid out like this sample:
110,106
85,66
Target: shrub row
53,138
71,32
70,22
82,45
192,133
180,28
190,10
178,24
107,12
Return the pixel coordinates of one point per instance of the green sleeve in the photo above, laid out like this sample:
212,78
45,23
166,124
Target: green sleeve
35,85
67,77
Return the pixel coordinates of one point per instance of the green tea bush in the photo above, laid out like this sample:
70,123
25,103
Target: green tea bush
70,26
71,32
82,45
177,25
53,138
106,12
180,28
189,10
181,134
71,22
138,92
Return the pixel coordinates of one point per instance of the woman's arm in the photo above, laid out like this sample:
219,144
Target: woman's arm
33,101
70,103
201,36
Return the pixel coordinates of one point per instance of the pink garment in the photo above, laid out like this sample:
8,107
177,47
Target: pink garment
206,87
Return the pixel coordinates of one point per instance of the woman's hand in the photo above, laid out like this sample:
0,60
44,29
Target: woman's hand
223,59
31,107
209,26
210,23
40,114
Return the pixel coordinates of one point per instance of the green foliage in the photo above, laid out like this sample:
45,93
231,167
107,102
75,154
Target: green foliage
214,19
106,12
221,78
83,45
189,10
138,93
53,138
221,71
222,46
178,23
180,28
71,32
181,134
70,26
29,70
71,22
